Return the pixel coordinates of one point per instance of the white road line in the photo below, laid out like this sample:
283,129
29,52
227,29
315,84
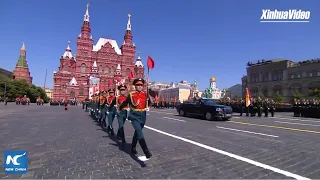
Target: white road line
247,131
255,163
174,119
235,117
296,123
302,120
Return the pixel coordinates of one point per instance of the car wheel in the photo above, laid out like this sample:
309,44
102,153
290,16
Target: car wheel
208,116
182,113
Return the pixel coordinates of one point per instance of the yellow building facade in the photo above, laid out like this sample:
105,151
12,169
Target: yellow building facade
181,91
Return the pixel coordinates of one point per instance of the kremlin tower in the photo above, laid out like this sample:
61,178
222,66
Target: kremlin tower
21,70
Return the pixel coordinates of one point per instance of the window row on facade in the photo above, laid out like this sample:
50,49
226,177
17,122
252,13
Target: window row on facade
278,76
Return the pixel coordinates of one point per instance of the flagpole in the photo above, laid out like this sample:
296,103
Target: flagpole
148,86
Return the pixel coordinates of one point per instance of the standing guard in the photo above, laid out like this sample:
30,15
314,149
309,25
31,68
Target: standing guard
162,102
259,106
295,106
242,106
266,107
139,104
272,107
252,107
121,114
111,113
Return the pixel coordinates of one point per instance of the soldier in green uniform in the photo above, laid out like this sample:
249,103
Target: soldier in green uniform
139,103
253,107
266,107
295,107
121,114
242,106
317,109
259,106
304,107
272,107
103,109
112,111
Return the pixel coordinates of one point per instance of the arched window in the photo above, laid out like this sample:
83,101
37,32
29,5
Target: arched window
100,68
81,91
107,70
127,72
72,94
83,68
113,70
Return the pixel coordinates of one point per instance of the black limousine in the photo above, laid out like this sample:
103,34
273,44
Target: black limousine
206,108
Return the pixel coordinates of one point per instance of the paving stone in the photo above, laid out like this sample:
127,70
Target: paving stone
69,145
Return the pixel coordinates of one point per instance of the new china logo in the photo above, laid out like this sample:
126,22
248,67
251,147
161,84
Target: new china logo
15,162
291,15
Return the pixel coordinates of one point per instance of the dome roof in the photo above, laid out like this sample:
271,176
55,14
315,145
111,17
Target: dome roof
212,79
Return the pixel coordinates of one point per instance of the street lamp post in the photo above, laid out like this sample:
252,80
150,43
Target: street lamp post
45,80
5,92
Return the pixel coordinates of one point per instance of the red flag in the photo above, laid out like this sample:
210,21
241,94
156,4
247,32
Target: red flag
150,63
130,75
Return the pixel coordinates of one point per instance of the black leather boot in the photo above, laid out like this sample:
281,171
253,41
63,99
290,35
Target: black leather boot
145,149
123,136
110,130
134,144
119,134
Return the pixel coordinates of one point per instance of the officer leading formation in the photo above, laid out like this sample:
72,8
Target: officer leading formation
132,107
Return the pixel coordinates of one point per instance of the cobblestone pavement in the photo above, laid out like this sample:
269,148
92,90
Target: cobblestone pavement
68,144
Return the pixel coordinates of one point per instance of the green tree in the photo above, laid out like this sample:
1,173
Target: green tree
297,95
262,96
235,98
277,97
18,88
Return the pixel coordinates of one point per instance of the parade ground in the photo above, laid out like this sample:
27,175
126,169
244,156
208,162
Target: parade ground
70,145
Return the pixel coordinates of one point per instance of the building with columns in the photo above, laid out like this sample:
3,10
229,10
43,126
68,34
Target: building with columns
104,60
269,77
182,90
21,70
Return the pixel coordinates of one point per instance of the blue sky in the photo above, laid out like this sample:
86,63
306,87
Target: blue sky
188,39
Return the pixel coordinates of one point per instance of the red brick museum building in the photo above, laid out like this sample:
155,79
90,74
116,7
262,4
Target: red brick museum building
104,60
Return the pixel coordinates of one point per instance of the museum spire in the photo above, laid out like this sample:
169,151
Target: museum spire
86,15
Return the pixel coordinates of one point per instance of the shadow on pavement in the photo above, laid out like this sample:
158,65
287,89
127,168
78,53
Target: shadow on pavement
123,147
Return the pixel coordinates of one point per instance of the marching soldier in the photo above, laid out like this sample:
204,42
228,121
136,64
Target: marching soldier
122,114
111,113
103,109
139,104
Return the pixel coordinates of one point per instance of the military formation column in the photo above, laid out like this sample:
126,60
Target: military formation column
131,107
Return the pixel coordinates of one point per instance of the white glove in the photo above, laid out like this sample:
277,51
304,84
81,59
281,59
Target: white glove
147,109
107,112
128,109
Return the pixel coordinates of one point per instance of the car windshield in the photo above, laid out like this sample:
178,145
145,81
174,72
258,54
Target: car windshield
209,102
